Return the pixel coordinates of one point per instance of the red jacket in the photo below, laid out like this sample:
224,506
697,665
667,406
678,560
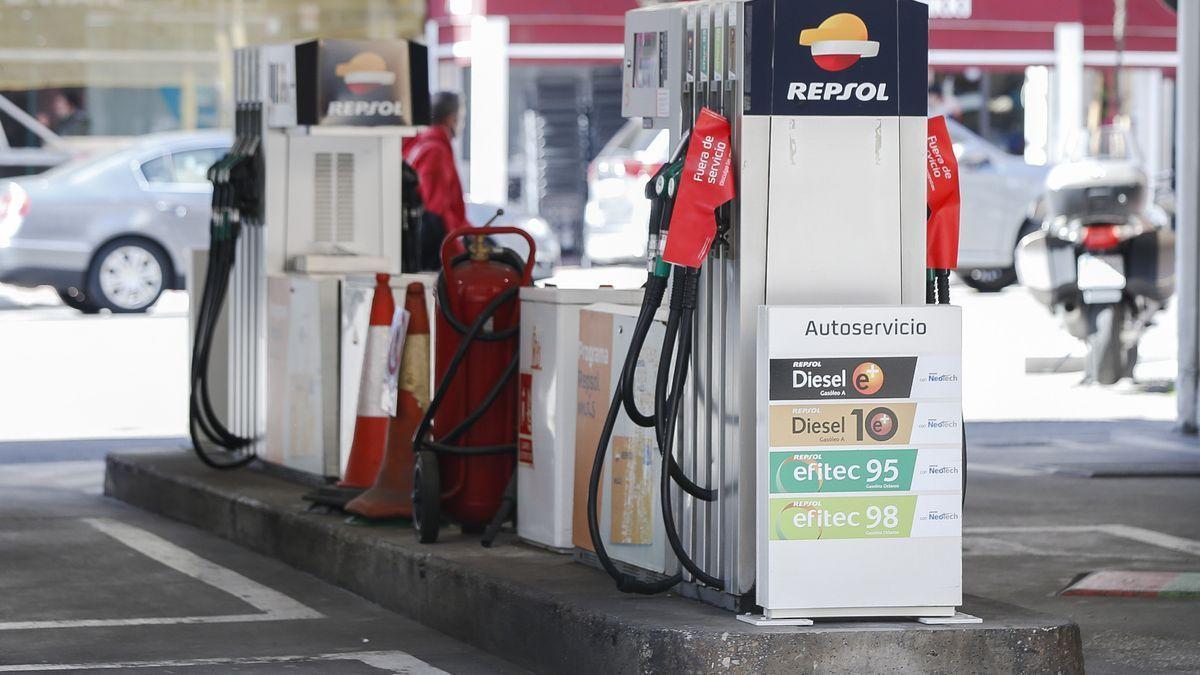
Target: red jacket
430,154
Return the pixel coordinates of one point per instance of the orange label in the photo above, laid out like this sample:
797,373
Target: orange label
592,397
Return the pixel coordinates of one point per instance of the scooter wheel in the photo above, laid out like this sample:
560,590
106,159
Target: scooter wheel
427,497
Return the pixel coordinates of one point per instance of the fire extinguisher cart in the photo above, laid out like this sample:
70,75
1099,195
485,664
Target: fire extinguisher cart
466,442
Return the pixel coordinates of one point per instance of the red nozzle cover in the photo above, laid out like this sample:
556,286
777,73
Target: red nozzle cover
941,181
705,184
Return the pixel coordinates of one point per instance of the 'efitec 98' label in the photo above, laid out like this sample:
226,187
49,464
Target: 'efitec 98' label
882,517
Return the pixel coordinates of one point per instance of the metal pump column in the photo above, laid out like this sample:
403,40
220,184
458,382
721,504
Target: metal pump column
827,102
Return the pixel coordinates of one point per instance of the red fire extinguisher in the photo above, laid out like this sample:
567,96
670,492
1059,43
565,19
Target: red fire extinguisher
466,443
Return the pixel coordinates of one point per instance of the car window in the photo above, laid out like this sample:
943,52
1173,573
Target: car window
158,170
641,140
657,149
183,167
191,166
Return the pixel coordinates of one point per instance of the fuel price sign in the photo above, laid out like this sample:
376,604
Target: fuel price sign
859,478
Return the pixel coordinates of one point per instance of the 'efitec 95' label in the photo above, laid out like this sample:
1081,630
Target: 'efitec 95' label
876,470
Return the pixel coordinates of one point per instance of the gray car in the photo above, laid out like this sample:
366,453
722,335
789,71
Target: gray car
111,231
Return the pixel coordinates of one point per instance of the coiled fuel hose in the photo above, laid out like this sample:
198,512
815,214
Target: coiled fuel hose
236,190
660,190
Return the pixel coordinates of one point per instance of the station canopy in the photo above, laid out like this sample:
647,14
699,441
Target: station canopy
164,43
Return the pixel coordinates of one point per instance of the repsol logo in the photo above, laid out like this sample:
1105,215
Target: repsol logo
836,91
364,109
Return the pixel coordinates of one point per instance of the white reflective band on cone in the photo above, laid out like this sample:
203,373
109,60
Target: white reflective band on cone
370,389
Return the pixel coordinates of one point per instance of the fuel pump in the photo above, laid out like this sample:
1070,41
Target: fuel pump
825,102
236,180
308,205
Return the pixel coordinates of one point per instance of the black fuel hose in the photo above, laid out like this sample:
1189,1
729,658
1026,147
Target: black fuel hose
651,300
203,420
626,583
236,202
943,286
665,491
679,330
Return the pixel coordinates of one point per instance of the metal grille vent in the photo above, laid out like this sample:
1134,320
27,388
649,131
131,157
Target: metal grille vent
333,197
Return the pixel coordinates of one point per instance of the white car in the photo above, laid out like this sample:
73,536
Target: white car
999,195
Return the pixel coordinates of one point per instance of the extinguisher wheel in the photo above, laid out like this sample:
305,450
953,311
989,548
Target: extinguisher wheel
427,497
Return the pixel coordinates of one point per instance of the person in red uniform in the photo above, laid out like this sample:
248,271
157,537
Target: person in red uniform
432,157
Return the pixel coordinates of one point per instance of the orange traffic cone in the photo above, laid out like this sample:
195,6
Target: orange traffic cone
370,429
391,495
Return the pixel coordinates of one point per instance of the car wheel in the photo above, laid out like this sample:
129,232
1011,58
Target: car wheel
988,279
75,299
127,275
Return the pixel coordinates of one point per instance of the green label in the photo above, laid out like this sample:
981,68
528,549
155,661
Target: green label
810,519
882,470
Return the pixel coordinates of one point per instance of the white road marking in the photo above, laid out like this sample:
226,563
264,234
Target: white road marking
1138,534
395,662
143,621
275,606
1154,538
1132,440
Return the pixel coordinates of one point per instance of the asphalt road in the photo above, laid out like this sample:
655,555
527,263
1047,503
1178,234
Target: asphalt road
92,585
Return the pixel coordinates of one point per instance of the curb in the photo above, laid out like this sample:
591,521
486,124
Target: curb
542,611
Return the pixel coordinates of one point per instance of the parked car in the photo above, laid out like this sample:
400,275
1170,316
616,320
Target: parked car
615,217
111,231
1000,197
1000,193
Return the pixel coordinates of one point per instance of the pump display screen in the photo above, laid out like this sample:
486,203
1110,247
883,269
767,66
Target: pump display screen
647,72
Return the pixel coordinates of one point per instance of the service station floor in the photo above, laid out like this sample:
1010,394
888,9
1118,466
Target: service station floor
544,612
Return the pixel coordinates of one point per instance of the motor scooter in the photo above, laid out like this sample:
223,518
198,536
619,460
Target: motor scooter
1104,258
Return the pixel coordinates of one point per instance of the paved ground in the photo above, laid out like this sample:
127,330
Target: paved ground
91,585
1034,523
